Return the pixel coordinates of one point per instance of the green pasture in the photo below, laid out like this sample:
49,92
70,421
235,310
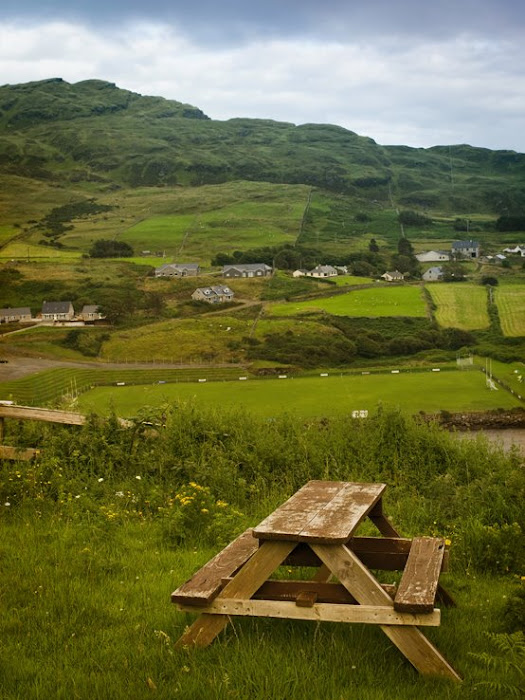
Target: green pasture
6,233
460,305
314,396
27,252
372,302
350,280
510,300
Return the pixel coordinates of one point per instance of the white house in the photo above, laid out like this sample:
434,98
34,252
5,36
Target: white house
433,274
213,295
433,256
322,271
393,276
178,270
91,312
516,250
299,273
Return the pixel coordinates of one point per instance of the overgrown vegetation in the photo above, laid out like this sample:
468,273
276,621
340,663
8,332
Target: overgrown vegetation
96,534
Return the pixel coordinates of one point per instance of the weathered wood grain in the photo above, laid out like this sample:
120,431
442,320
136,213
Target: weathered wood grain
321,511
206,583
319,612
23,454
252,575
419,583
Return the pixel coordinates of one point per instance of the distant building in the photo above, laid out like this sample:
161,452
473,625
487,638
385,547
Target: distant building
247,270
433,256
91,312
465,249
57,311
393,276
299,273
213,295
178,270
516,250
22,313
322,271
433,274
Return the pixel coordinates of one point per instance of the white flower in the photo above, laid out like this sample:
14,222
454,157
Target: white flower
7,503
77,496
120,494
138,477
101,479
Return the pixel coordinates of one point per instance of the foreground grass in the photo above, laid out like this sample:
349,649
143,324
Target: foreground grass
460,305
88,615
314,396
377,301
95,535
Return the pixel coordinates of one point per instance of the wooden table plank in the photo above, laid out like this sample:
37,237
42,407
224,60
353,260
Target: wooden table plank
319,612
418,585
322,511
206,583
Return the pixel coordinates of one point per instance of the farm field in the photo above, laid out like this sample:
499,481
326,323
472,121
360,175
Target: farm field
460,305
348,280
314,396
28,252
372,302
510,300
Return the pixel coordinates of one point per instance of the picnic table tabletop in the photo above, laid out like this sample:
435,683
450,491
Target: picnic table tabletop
323,512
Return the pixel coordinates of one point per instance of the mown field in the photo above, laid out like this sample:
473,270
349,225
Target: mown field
313,396
510,300
460,305
98,532
377,301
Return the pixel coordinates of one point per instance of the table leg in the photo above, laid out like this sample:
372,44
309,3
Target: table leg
244,584
360,583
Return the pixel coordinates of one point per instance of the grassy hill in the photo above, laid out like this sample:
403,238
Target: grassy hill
89,160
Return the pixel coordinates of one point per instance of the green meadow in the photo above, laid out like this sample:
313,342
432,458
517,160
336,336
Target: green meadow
372,302
333,395
510,300
460,305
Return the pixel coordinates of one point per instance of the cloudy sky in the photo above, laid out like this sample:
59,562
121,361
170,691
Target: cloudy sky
409,72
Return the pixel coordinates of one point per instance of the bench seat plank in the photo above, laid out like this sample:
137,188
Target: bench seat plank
321,512
207,582
419,582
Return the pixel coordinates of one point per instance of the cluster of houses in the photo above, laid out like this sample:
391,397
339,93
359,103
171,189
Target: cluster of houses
52,311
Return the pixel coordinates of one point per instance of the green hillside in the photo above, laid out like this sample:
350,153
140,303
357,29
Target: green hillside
90,160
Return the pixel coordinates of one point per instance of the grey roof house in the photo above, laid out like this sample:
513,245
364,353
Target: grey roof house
21,313
322,271
393,276
433,256
465,249
91,312
213,295
178,270
247,270
433,274
57,311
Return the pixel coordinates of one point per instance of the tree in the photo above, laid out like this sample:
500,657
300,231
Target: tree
372,246
491,281
110,249
404,247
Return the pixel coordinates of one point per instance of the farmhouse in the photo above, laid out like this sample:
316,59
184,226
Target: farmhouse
433,274
213,295
300,273
57,311
91,312
465,249
433,256
178,270
516,250
22,313
247,270
322,271
393,276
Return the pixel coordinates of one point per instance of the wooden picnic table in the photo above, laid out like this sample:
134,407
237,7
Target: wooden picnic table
316,528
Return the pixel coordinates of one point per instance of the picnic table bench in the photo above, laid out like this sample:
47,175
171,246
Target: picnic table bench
315,528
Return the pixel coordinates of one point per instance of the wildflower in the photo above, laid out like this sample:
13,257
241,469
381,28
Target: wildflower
7,503
448,542
204,510
78,496
120,494
138,477
101,479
